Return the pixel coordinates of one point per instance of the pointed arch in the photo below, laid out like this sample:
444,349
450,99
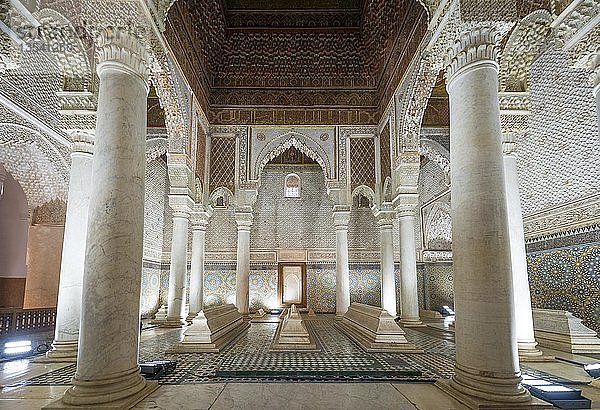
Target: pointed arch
299,141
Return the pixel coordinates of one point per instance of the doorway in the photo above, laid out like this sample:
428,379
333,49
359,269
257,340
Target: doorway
292,284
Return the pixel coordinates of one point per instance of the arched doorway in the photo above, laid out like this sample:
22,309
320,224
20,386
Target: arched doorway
14,223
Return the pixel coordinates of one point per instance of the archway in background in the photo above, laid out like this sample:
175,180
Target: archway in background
14,223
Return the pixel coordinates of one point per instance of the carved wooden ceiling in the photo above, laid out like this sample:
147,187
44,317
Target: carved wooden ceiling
301,61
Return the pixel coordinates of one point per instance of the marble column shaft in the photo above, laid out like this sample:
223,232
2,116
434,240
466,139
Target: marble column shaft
342,269
242,276
487,366
522,298
388,280
197,266
594,65
408,265
68,308
178,270
107,363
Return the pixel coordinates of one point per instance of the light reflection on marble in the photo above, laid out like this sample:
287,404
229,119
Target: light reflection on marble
19,370
187,396
427,396
311,396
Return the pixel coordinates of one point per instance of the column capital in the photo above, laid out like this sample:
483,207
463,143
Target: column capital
199,218
341,217
474,46
509,143
594,66
119,50
82,142
385,216
243,220
406,204
182,205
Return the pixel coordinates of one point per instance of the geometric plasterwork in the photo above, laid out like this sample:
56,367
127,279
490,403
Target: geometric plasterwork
434,151
35,163
267,143
566,217
522,47
438,227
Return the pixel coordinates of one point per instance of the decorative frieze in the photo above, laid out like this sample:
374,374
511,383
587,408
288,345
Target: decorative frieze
577,214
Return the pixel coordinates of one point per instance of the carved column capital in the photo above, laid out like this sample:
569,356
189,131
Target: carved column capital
119,50
509,143
406,204
82,142
385,218
182,205
200,217
244,220
474,46
341,217
594,65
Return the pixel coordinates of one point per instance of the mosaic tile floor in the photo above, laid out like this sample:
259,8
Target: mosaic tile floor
249,359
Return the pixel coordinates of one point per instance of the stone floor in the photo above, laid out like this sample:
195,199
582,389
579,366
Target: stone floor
248,375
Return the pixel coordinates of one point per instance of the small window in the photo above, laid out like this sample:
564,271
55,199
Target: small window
292,186
361,201
220,203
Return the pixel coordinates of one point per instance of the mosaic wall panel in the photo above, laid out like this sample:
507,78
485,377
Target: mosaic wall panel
439,285
557,159
320,280
263,287
155,202
150,296
362,162
365,284
219,284
567,279
292,223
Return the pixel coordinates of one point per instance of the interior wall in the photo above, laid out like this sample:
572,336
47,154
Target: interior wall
44,252
14,222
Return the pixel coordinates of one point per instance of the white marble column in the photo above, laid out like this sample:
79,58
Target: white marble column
594,63
385,220
409,316
487,365
342,270
68,308
176,315
242,276
107,364
527,346
199,225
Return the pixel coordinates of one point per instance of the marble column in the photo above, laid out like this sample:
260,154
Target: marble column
594,63
487,365
176,315
68,308
242,275
527,346
107,364
199,225
409,316
342,270
385,220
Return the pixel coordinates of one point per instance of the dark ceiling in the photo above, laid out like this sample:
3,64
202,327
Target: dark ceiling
302,61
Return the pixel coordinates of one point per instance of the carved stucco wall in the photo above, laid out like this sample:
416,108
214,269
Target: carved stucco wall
292,223
558,156
157,234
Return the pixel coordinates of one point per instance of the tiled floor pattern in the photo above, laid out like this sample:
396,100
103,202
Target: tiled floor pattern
249,360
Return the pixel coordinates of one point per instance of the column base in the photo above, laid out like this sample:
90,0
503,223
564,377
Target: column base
528,352
190,317
173,323
121,392
61,352
412,322
473,402
595,383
